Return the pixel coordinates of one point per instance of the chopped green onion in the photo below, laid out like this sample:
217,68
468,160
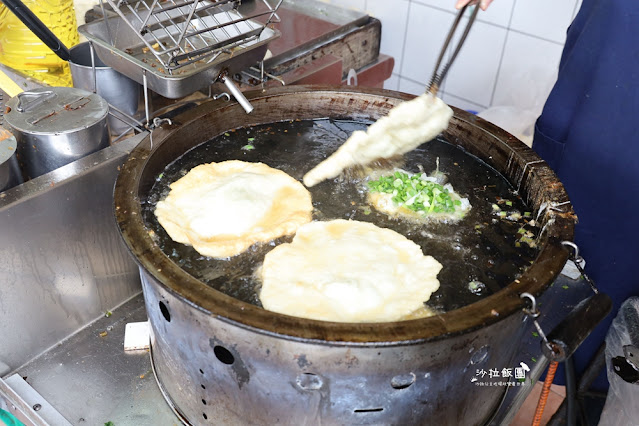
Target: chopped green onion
415,193
251,139
227,134
248,147
509,203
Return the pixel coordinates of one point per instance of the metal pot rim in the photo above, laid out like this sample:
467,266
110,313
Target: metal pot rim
506,302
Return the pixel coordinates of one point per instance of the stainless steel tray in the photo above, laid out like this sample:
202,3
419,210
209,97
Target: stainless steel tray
127,54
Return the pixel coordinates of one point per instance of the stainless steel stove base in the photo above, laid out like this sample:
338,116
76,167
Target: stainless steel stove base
90,380
166,396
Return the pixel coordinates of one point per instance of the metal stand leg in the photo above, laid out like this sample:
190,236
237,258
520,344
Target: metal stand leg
571,392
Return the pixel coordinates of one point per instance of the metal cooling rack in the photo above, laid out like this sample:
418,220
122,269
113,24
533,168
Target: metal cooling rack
179,33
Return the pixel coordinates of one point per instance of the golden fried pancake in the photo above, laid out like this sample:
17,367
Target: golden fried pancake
221,209
348,271
406,126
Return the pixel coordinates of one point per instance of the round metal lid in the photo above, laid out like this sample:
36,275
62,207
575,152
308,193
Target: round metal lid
55,110
7,145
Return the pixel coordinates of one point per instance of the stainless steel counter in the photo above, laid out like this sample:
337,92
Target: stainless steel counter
62,261
90,380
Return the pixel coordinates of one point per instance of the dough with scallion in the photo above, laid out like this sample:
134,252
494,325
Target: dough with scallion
348,271
221,209
416,197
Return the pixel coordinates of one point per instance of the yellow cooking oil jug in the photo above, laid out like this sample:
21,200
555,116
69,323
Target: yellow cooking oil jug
23,51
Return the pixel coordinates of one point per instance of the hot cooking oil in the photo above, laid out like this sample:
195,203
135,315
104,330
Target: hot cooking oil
481,253
22,50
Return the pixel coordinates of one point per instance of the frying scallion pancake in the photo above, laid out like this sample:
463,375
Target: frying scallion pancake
221,209
406,126
416,197
348,271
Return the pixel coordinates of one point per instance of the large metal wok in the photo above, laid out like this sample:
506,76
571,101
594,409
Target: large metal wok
220,360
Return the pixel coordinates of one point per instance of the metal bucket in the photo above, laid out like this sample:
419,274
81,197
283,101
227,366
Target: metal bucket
55,126
10,175
119,91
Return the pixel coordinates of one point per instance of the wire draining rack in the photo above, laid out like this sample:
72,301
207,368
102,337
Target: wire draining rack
176,47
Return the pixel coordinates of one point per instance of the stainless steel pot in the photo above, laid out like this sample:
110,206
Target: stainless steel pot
10,175
222,361
118,90
55,126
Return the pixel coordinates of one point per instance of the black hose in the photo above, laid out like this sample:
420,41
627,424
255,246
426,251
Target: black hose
571,392
596,364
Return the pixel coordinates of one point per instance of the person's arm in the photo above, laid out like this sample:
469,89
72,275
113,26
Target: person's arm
483,4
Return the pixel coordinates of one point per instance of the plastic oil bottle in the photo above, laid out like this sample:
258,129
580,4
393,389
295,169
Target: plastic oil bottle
23,51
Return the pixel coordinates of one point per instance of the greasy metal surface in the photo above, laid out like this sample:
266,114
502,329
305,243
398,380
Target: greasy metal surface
91,380
62,262
307,24
537,183
184,81
357,48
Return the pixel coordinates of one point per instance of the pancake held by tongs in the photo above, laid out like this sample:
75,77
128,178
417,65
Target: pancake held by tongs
406,126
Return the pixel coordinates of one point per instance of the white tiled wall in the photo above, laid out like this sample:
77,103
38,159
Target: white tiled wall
509,59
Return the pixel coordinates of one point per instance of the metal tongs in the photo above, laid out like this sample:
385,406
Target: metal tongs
438,76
